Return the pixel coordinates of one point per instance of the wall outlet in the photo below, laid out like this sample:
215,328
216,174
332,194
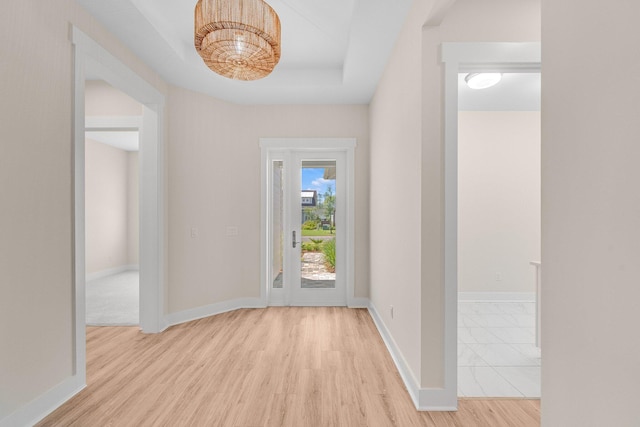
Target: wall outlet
391,310
231,231
498,277
194,233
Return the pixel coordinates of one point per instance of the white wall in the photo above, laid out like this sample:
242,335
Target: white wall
36,271
214,181
111,207
498,200
590,213
407,218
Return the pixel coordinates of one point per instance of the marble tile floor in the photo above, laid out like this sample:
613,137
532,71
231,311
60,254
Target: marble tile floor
497,356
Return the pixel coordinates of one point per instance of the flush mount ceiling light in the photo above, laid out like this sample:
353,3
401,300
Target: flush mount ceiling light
482,80
238,39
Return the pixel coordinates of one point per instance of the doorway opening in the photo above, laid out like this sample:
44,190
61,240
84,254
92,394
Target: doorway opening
498,237
466,58
92,62
307,222
112,125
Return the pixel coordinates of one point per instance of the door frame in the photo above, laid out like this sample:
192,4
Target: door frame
460,58
272,147
92,60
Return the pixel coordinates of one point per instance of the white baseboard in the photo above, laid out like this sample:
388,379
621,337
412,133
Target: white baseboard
111,271
211,310
406,374
424,399
44,404
497,296
351,303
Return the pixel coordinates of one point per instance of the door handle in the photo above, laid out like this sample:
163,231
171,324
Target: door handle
293,239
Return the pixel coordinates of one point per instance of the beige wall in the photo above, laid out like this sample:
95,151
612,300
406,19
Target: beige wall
395,120
407,169
36,285
111,207
214,182
498,200
590,213
106,209
102,99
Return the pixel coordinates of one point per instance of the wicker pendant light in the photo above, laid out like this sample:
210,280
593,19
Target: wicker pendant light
238,39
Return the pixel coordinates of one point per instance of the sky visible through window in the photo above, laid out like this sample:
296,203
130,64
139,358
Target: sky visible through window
312,179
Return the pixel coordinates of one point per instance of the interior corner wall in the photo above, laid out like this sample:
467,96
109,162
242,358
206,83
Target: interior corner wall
590,213
36,303
215,179
106,208
498,200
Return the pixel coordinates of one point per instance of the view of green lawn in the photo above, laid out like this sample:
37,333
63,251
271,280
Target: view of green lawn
311,233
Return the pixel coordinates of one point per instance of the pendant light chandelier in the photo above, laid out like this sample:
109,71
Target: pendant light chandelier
238,39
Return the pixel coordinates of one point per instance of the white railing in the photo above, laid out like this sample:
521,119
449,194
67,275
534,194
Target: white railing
538,267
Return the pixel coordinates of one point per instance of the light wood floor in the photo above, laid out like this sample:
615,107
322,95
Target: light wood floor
260,367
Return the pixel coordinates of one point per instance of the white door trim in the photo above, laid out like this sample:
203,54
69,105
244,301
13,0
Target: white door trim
271,147
466,57
92,60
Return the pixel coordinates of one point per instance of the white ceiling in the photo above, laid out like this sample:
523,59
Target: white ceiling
124,140
333,51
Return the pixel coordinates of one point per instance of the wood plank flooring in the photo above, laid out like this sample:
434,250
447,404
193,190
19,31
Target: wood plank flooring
280,366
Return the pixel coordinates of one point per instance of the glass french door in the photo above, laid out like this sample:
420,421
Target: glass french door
306,228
